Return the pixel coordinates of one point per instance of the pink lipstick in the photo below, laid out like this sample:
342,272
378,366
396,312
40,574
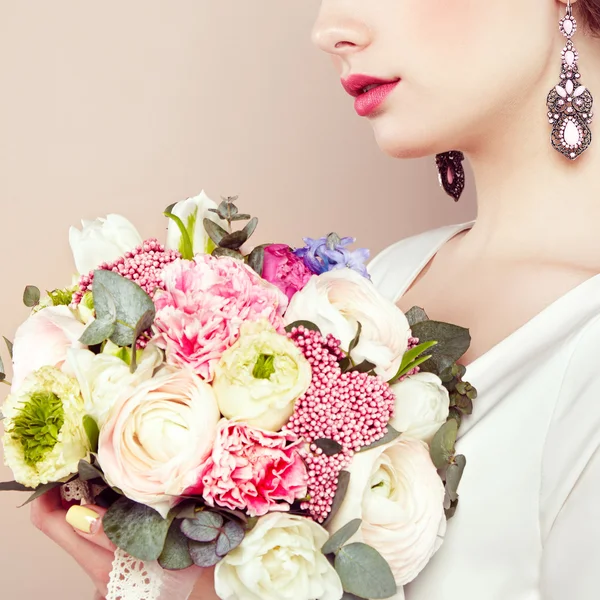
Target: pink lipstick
369,92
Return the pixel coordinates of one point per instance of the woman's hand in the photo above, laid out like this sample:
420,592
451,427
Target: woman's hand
79,532
82,538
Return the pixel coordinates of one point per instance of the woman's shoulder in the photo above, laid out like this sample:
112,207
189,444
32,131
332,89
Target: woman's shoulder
396,263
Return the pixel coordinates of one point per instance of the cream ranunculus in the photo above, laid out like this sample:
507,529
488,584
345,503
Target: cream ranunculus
279,559
396,491
102,240
155,440
44,437
192,213
337,301
422,406
105,377
43,340
259,378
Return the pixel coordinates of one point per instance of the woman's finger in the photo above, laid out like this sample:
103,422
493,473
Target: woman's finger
86,520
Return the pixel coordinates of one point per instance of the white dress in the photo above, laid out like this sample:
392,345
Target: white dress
528,522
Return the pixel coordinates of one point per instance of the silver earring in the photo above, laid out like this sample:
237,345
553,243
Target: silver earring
570,103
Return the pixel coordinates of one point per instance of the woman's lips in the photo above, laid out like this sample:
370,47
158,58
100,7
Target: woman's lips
369,92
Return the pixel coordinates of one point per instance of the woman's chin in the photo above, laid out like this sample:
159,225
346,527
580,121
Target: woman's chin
403,142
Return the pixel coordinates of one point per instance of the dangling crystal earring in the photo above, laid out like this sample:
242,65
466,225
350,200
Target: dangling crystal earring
451,173
570,103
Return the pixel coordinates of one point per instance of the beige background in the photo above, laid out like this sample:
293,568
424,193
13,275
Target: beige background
129,106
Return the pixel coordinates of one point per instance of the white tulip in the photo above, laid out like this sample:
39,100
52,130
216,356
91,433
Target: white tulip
192,213
396,491
279,559
422,406
337,301
102,240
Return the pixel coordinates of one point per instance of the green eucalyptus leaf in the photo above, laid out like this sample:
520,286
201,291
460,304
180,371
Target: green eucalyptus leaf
219,252
204,554
364,572
442,445
87,471
215,232
416,315
341,536
364,367
136,528
31,296
186,510
256,259
306,324
98,331
175,555
329,447
41,490
9,345
454,474
230,538
390,435
449,512
92,432
205,527
234,241
131,303
240,217
144,323
456,415
345,364
13,486
186,247
340,493
356,339
250,227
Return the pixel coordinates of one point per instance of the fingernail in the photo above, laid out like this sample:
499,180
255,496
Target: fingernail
83,518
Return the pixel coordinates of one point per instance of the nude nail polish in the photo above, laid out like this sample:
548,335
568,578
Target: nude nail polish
83,518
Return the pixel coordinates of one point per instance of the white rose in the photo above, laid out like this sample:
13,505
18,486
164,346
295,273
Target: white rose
337,301
43,340
279,559
259,378
396,491
422,406
192,213
102,240
155,441
105,377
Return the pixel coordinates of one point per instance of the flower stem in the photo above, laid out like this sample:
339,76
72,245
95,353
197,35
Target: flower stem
6,382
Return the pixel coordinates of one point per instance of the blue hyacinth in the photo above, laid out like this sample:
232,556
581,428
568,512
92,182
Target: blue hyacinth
331,252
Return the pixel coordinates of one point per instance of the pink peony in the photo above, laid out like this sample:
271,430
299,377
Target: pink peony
254,470
285,270
203,305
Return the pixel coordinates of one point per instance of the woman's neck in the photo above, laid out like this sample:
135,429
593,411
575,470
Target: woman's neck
533,203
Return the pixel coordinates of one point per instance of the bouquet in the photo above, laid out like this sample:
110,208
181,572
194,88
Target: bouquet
263,410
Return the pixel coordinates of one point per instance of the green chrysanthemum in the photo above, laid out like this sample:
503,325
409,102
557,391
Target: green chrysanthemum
44,437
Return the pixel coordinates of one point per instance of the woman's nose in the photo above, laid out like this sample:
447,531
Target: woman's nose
340,36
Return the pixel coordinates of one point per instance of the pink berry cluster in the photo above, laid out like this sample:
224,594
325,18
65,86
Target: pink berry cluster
352,409
143,265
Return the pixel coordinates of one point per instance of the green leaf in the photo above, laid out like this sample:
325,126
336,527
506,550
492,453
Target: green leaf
341,536
340,493
135,528
234,240
442,445
31,296
175,555
256,259
87,471
205,527
98,331
92,432
13,486
349,596
142,325
204,554
364,572
219,252
364,367
9,345
186,246
131,302
416,315
390,435
410,360
356,339
453,342
454,474
230,538
250,227
329,447
306,324
215,232
2,371
41,490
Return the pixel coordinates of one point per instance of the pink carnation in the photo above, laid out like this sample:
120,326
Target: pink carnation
254,470
285,270
203,305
